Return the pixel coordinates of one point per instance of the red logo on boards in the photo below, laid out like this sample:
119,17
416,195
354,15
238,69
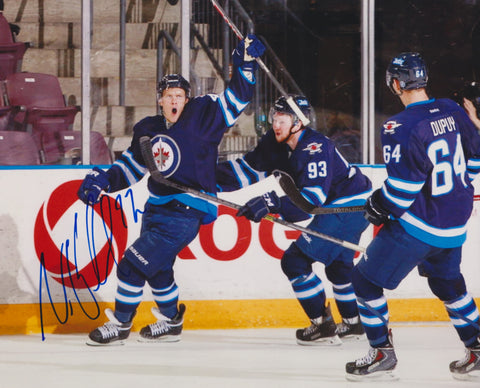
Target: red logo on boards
57,242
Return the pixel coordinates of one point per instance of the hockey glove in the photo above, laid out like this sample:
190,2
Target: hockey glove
92,186
246,52
260,206
374,212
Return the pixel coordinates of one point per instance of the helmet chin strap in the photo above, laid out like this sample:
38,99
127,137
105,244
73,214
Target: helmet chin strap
291,133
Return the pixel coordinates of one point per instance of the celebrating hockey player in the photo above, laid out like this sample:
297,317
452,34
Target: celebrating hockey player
325,179
184,139
432,152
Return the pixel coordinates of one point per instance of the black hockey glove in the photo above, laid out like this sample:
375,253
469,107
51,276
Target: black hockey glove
92,186
247,50
259,207
374,212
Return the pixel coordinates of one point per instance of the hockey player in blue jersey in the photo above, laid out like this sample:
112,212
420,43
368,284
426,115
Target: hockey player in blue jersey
325,179
432,152
185,139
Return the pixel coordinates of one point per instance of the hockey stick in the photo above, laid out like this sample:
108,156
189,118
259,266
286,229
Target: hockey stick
278,85
288,186
146,149
463,318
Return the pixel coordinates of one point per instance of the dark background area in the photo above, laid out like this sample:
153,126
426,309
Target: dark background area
319,41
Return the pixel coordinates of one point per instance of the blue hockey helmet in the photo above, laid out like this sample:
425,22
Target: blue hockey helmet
410,70
173,81
281,105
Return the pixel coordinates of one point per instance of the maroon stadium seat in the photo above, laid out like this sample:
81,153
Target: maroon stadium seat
18,148
11,52
65,147
4,113
38,105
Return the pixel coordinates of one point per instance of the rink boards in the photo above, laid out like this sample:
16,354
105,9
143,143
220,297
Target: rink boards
57,272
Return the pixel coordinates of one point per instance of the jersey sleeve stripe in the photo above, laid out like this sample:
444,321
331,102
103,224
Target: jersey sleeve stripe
399,202
357,199
405,186
247,75
227,114
439,237
444,232
314,195
242,178
473,168
132,170
346,163
474,163
239,105
136,168
257,175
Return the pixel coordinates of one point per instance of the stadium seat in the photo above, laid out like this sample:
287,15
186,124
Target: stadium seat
38,105
18,148
11,52
65,147
4,113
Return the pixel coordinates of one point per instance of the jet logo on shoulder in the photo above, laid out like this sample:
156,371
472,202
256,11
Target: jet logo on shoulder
389,127
313,148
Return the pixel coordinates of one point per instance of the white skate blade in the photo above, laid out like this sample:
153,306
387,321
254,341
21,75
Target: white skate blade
353,337
165,338
373,377
89,342
472,376
324,341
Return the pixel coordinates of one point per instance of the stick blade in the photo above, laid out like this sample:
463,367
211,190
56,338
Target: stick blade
288,185
146,149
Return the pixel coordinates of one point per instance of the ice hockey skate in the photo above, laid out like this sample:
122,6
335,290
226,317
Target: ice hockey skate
350,330
164,330
322,331
377,365
113,332
467,368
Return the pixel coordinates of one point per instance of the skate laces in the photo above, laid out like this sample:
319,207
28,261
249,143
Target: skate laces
343,327
109,330
310,329
368,358
160,327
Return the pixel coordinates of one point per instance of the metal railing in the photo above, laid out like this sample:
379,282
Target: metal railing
163,36
211,35
218,40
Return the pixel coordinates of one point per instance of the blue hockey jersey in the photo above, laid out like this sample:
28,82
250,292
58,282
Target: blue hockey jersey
322,174
189,147
432,152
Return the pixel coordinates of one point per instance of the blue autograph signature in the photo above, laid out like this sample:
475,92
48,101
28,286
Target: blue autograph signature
70,275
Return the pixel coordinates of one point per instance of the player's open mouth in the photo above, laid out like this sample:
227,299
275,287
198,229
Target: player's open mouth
174,111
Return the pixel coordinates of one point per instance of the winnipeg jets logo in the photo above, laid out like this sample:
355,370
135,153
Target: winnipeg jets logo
389,127
166,154
398,61
313,148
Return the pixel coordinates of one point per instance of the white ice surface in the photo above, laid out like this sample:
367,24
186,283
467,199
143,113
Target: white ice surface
223,358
